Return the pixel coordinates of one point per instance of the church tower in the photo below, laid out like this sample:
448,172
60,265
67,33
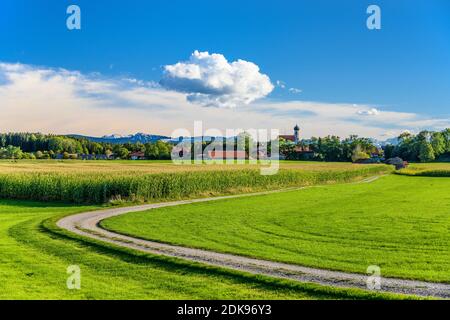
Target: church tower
296,134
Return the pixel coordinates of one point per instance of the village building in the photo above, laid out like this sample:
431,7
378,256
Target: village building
137,155
301,151
84,156
295,138
227,154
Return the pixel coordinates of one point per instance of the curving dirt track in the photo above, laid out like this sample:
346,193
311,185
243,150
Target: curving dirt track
87,224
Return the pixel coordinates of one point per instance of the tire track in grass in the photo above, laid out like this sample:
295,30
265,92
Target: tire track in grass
87,224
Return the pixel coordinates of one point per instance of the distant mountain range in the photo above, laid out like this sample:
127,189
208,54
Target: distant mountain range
119,139
145,138
392,141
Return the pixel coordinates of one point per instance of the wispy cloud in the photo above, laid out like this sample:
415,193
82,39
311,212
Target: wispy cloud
281,84
295,90
62,101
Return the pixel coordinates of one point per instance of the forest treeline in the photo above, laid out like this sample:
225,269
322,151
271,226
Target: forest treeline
425,146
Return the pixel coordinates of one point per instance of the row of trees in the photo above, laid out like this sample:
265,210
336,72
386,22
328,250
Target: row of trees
425,146
11,152
33,142
330,148
40,146
158,150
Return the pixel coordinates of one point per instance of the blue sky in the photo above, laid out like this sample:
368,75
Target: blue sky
320,47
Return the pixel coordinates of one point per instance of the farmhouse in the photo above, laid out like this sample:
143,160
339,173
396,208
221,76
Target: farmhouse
398,163
84,156
220,154
138,155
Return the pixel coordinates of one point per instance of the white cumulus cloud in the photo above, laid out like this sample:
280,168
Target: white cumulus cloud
211,80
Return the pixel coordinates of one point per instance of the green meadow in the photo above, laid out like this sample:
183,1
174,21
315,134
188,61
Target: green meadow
399,223
34,256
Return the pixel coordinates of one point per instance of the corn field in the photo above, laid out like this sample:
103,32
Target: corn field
424,173
104,187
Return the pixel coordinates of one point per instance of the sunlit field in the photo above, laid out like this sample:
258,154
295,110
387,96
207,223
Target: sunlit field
155,166
35,253
399,223
34,261
438,169
102,182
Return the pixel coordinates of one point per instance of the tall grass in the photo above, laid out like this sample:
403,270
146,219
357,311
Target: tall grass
103,187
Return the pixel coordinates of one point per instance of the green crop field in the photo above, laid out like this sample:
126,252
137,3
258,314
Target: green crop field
293,226
399,223
104,181
427,170
34,261
154,166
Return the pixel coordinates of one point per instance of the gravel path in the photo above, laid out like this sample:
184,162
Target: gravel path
87,224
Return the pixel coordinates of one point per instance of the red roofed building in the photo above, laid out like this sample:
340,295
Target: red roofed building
287,137
220,154
295,138
302,149
139,155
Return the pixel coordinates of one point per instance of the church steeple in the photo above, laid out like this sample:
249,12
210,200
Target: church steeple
296,134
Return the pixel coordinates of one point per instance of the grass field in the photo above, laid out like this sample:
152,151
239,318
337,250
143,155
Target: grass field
33,265
304,227
399,223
